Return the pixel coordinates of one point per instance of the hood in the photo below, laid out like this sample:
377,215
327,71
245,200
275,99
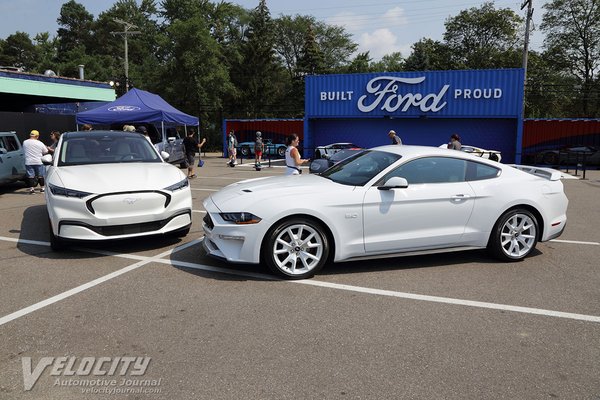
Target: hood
275,187
122,177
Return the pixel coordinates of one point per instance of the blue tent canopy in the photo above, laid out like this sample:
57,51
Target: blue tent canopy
136,106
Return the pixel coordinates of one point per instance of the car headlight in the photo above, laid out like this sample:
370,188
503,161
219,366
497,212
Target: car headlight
241,218
61,191
178,186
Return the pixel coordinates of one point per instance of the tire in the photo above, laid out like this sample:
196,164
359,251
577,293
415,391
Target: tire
281,151
296,248
514,236
245,150
56,243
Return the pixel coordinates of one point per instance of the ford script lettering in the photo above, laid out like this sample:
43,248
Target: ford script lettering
385,90
124,108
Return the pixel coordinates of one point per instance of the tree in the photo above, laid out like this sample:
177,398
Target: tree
75,27
19,51
572,30
389,63
428,54
256,77
477,37
360,63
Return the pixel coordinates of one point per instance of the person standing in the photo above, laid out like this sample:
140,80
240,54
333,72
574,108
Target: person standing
395,138
292,156
232,144
259,147
191,145
54,135
454,143
34,149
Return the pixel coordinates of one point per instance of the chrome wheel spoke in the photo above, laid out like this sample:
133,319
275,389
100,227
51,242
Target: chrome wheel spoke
297,249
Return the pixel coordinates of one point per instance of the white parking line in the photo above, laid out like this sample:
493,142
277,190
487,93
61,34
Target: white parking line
199,211
85,286
351,288
575,242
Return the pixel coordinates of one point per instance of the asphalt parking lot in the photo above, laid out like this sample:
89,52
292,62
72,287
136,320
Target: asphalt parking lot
450,326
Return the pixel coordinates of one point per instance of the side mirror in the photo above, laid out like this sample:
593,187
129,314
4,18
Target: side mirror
317,166
47,159
3,150
395,182
164,155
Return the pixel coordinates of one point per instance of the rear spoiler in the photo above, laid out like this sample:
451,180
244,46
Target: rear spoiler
547,173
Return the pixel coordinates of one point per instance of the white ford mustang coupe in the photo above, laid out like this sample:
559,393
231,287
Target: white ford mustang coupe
384,202
113,185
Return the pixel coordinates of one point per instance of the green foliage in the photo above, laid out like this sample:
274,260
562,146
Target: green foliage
573,40
217,60
477,37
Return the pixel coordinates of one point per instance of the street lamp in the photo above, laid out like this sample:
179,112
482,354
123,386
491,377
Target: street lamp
126,32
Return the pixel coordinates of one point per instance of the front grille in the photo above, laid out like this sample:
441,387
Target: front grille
115,230
208,221
131,228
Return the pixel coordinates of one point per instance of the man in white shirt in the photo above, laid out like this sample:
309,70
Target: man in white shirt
34,149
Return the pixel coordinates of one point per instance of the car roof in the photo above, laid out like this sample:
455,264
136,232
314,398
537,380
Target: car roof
408,151
100,134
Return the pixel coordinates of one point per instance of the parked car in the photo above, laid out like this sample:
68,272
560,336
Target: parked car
172,142
319,165
12,158
113,185
277,149
569,155
384,202
330,149
493,155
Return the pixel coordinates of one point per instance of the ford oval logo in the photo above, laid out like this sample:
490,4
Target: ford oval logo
124,108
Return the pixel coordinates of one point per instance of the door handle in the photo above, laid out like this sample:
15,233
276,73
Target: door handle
460,197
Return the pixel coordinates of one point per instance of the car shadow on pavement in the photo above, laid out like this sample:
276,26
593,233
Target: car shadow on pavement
260,272
35,227
415,262
13,187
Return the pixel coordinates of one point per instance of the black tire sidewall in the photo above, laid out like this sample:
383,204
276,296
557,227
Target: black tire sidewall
270,237
495,242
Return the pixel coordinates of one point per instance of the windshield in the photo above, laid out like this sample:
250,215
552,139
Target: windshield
106,149
360,168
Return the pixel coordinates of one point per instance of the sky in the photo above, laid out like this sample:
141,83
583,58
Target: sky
378,26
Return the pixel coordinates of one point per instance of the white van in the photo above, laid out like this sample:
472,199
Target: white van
12,158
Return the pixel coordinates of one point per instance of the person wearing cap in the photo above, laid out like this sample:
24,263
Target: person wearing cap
259,147
395,138
34,149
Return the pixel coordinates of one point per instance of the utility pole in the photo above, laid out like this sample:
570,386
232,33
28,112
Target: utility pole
126,27
527,24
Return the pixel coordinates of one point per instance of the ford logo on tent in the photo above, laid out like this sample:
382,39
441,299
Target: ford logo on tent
124,108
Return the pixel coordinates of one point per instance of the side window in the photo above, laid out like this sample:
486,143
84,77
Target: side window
11,143
431,170
477,171
2,144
